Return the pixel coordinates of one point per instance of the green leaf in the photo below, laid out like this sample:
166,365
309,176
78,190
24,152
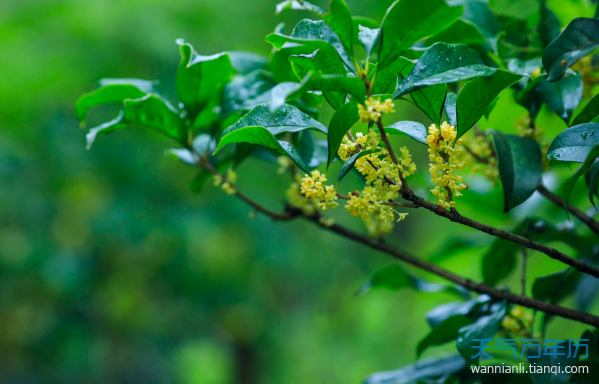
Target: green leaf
245,92
593,181
562,96
349,163
324,62
152,112
443,312
524,67
182,154
557,286
575,143
408,21
386,79
341,122
198,77
112,91
443,333
340,20
460,32
559,362
280,66
520,167
529,98
430,99
316,34
261,136
433,370
314,152
444,63
549,25
246,62
451,102
286,119
589,112
491,108
480,14
584,168
579,39
484,328
204,144
477,95
197,183
299,5
369,38
413,129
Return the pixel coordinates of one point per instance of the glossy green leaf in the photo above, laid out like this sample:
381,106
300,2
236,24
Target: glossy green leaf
313,151
524,67
341,122
286,119
413,129
298,5
520,167
340,20
529,98
480,14
450,106
593,181
204,144
581,171
280,66
589,112
112,91
244,62
484,328
433,370
183,155
349,163
316,34
579,39
549,25
575,143
443,333
473,307
151,112
460,32
556,364
262,136
557,286
245,92
386,79
477,95
444,63
562,96
490,108
198,77
408,21
369,38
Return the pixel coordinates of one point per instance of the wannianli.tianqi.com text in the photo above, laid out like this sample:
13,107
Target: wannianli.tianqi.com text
530,368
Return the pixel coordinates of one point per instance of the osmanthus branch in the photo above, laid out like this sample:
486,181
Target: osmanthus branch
390,203
592,224
481,288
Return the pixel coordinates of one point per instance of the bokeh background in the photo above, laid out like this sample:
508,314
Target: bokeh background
112,271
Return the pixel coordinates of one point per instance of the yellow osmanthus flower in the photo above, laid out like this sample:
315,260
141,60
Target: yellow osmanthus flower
518,320
373,109
480,146
227,182
313,187
587,71
444,150
297,200
284,164
526,129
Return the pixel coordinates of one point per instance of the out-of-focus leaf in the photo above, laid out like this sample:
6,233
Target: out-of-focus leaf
286,119
484,328
245,92
584,168
113,91
561,96
198,77
477,95
316,34
182,154
499,262
340,20
593,181
408,21
520,167
557,286
460,32
559,362
433,370
152,112
443,333
244,62
589,112
413,129
574,144
529,97
341,122
197,183
313,151
203,144
579,39
261,136
524,67
444,63
549,25
491,108
349,163
299,5
369,38
443,312
451,102
480,14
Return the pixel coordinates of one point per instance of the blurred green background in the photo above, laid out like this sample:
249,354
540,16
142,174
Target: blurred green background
112,271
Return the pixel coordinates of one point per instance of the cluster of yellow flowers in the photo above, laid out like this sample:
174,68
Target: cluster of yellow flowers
518,321
227,183
587,70
444,150
480,146
313,187
348,148
526,129
374,109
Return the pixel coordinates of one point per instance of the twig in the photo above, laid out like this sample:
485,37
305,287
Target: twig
523,273
389,203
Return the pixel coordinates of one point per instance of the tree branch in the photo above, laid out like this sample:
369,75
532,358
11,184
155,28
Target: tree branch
592,224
